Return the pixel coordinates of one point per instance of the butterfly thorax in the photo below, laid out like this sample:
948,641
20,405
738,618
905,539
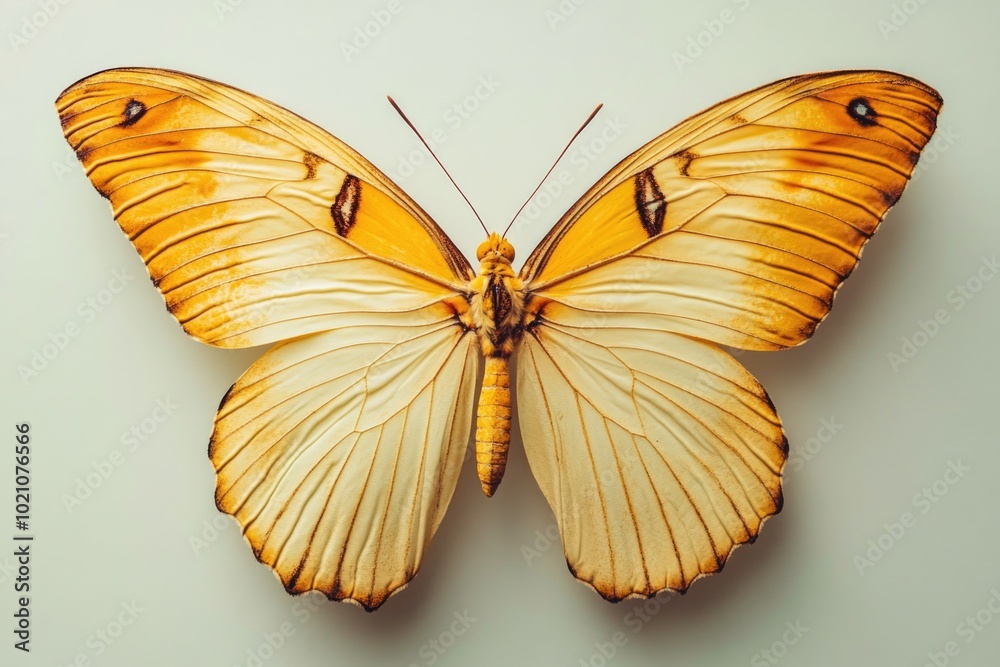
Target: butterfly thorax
497,298
497,309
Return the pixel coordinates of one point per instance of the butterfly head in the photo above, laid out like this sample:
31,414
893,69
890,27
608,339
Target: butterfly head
495,247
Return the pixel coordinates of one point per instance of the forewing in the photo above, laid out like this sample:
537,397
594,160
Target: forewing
255,224
659,454
739,225
338,452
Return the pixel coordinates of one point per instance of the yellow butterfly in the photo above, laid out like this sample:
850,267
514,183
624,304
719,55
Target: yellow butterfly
339,449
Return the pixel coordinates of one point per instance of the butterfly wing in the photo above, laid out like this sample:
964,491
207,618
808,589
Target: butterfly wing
657,451
338,450
739,225
255,224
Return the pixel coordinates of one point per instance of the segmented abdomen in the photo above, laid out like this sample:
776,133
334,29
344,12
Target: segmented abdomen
493,424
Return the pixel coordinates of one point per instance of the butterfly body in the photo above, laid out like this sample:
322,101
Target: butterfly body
339,450
497,306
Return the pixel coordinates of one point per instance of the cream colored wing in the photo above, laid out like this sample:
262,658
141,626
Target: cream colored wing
255,224
739,225
338,453
659,454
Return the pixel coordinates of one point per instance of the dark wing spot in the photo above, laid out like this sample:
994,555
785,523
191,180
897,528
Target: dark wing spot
310,160
649,202
738,119
861,111
134,110
684,159
345,208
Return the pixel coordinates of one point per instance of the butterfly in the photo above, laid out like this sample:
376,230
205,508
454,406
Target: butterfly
338,450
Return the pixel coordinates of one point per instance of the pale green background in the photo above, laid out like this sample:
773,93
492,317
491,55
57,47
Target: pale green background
896,433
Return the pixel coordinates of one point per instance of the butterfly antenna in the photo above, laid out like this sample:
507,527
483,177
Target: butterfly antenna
540,183
427,146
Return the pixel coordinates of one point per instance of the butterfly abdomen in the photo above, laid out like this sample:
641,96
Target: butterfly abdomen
497,307
493,424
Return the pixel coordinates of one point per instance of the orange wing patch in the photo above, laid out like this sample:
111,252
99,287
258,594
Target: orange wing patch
609,227
407,244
